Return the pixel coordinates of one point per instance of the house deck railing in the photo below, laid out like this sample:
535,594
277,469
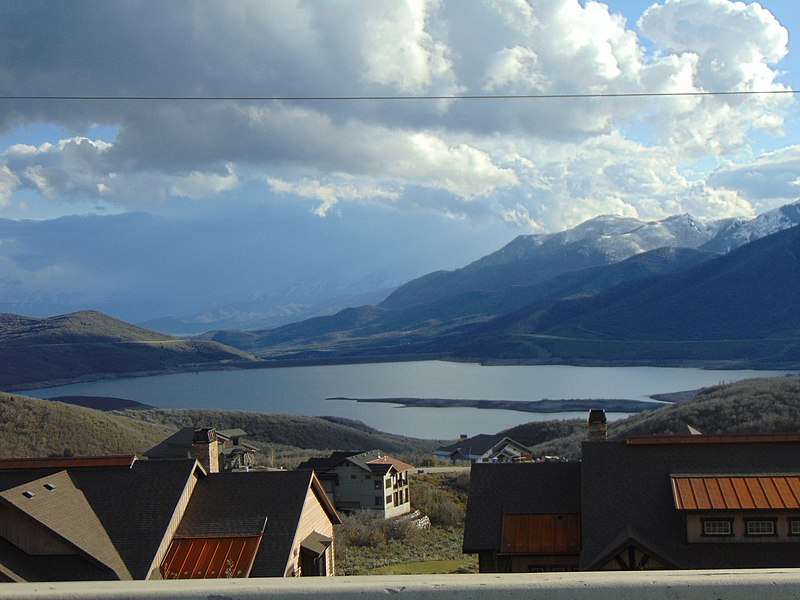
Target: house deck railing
775,584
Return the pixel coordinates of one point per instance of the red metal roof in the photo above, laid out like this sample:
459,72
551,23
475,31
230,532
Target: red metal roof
759,438
67,463
398,464
210,557
752,492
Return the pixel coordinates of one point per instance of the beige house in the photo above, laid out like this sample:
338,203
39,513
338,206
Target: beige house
370,480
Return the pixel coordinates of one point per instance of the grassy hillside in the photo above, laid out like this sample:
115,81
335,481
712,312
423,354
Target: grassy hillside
30,427
89,344
290,431
751,406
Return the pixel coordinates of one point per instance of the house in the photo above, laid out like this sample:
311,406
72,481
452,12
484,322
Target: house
119,518
370,480
509,502
233,453
275,524
484,448
650,502
89,518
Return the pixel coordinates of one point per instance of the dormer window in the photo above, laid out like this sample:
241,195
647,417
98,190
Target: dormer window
759,527
794,526
718,527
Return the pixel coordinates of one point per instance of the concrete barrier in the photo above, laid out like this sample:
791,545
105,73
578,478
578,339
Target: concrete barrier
673,585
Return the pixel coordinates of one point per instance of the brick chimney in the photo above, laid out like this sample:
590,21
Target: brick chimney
206,449
598,431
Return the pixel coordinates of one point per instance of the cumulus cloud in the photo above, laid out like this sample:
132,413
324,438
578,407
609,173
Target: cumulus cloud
536,163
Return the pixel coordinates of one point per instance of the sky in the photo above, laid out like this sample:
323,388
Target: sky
340,155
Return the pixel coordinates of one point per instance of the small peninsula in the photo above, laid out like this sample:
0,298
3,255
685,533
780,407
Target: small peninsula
530,406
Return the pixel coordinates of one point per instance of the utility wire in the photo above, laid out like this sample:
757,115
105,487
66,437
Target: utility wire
396,98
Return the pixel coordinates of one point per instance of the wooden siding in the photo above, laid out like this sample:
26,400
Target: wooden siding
175,521
541,534
313,519
29,535
736,493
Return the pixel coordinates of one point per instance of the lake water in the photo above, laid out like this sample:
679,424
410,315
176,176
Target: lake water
302,391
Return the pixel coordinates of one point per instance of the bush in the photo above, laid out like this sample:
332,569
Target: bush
444,501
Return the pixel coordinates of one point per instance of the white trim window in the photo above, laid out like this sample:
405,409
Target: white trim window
794,526
754,527
718,527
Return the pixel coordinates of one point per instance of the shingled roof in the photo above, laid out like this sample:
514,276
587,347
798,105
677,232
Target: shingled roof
627,495
238,504
134,504
516,488
374,461
54,501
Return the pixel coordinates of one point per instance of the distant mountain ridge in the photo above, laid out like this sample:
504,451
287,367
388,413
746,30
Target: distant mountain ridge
469,312
89,345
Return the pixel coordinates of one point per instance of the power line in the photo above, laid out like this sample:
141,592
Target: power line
396,98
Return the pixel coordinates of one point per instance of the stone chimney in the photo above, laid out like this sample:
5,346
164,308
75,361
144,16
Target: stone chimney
206,449
598,432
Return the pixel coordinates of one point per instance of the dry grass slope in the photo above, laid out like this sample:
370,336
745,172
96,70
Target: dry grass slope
281,437
30,427
766,405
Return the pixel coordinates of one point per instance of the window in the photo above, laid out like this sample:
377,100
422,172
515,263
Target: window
718,527
396,498
794,526
388,499
378,501
377,484
759,527
353,476
388,483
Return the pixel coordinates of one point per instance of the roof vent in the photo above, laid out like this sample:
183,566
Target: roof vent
28,494
50,486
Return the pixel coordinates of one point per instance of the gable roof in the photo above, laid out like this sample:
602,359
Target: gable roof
516,488
396,463
237,504
56,503
628,487
373,461
478,445
133,503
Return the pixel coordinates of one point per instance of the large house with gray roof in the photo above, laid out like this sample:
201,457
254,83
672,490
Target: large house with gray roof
650,502
372,480
119,518
484,448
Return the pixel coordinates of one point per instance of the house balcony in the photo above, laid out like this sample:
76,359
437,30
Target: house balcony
776,584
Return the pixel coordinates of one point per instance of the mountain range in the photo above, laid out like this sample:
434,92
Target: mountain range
610,290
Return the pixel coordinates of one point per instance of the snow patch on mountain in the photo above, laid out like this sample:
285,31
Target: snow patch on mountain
618,238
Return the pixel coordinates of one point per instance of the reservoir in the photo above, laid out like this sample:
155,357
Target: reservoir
303,391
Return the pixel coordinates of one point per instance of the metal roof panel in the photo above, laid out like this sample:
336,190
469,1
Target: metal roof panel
708,492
